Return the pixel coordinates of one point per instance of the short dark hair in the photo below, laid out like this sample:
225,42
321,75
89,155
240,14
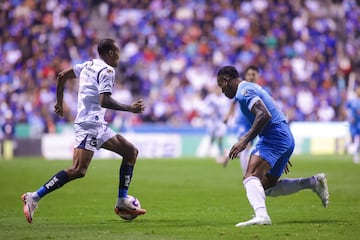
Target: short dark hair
105,45
229,71
252,67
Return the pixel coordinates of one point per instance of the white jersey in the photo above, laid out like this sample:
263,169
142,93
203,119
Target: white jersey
214,114
95,77
216,107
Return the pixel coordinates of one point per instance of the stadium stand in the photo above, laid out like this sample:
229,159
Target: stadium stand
171,50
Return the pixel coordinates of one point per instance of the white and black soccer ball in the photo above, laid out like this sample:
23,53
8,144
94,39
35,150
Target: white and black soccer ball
132,203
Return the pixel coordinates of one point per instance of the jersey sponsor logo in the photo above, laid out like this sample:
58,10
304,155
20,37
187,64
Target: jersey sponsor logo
51,182
93,142
90,69
127,181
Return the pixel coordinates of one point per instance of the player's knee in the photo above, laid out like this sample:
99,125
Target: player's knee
253,173
268,181
133,151
136,152
131,155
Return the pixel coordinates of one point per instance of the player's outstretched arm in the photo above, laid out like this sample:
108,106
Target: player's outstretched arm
107,101
61,79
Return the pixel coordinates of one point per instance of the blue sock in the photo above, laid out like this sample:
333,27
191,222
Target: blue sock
125,176
57,181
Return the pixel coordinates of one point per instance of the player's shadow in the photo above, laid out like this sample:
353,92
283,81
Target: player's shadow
167,222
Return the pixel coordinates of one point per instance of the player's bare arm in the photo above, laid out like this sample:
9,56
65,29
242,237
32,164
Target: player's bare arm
231,112
107,101
262,117
61,79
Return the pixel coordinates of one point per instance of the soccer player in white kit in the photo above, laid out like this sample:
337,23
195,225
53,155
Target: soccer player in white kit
214,111
96,82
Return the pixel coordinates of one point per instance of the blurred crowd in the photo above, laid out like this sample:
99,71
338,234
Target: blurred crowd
307,51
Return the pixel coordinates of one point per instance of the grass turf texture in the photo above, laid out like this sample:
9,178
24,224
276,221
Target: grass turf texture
185,198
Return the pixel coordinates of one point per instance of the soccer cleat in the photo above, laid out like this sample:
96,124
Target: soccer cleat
118,210
321,188
29,206
255,221
126,208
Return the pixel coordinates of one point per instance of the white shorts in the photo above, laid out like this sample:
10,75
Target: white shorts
92,136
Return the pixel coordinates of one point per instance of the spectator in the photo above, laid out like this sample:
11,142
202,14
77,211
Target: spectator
176,45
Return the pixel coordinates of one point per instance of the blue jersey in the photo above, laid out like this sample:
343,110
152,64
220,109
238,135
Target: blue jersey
243,124
276,142
247,94
354,116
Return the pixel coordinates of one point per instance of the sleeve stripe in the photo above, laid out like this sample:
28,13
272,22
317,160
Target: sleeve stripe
105,91
252,102
97,78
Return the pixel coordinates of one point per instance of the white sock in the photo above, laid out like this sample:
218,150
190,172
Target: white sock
256,195
120,201
35,196
288,186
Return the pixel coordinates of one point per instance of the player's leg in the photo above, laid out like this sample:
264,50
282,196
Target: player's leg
81,162
129,153
257,168
211,144
268,151
220,134
222,154
286,186
221,157
221,145
85,144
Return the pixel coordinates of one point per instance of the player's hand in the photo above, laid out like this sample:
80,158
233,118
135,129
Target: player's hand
237,148
286,169
138,106
58,109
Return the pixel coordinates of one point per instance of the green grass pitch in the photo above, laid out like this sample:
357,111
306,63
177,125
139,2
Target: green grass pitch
185,198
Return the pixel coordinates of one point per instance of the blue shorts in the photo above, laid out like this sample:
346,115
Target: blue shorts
276,146
354,130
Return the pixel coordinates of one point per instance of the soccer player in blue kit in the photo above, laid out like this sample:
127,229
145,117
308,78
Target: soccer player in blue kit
96,82
353,112
272,151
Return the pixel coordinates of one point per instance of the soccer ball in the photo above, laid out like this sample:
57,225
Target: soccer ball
132,203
